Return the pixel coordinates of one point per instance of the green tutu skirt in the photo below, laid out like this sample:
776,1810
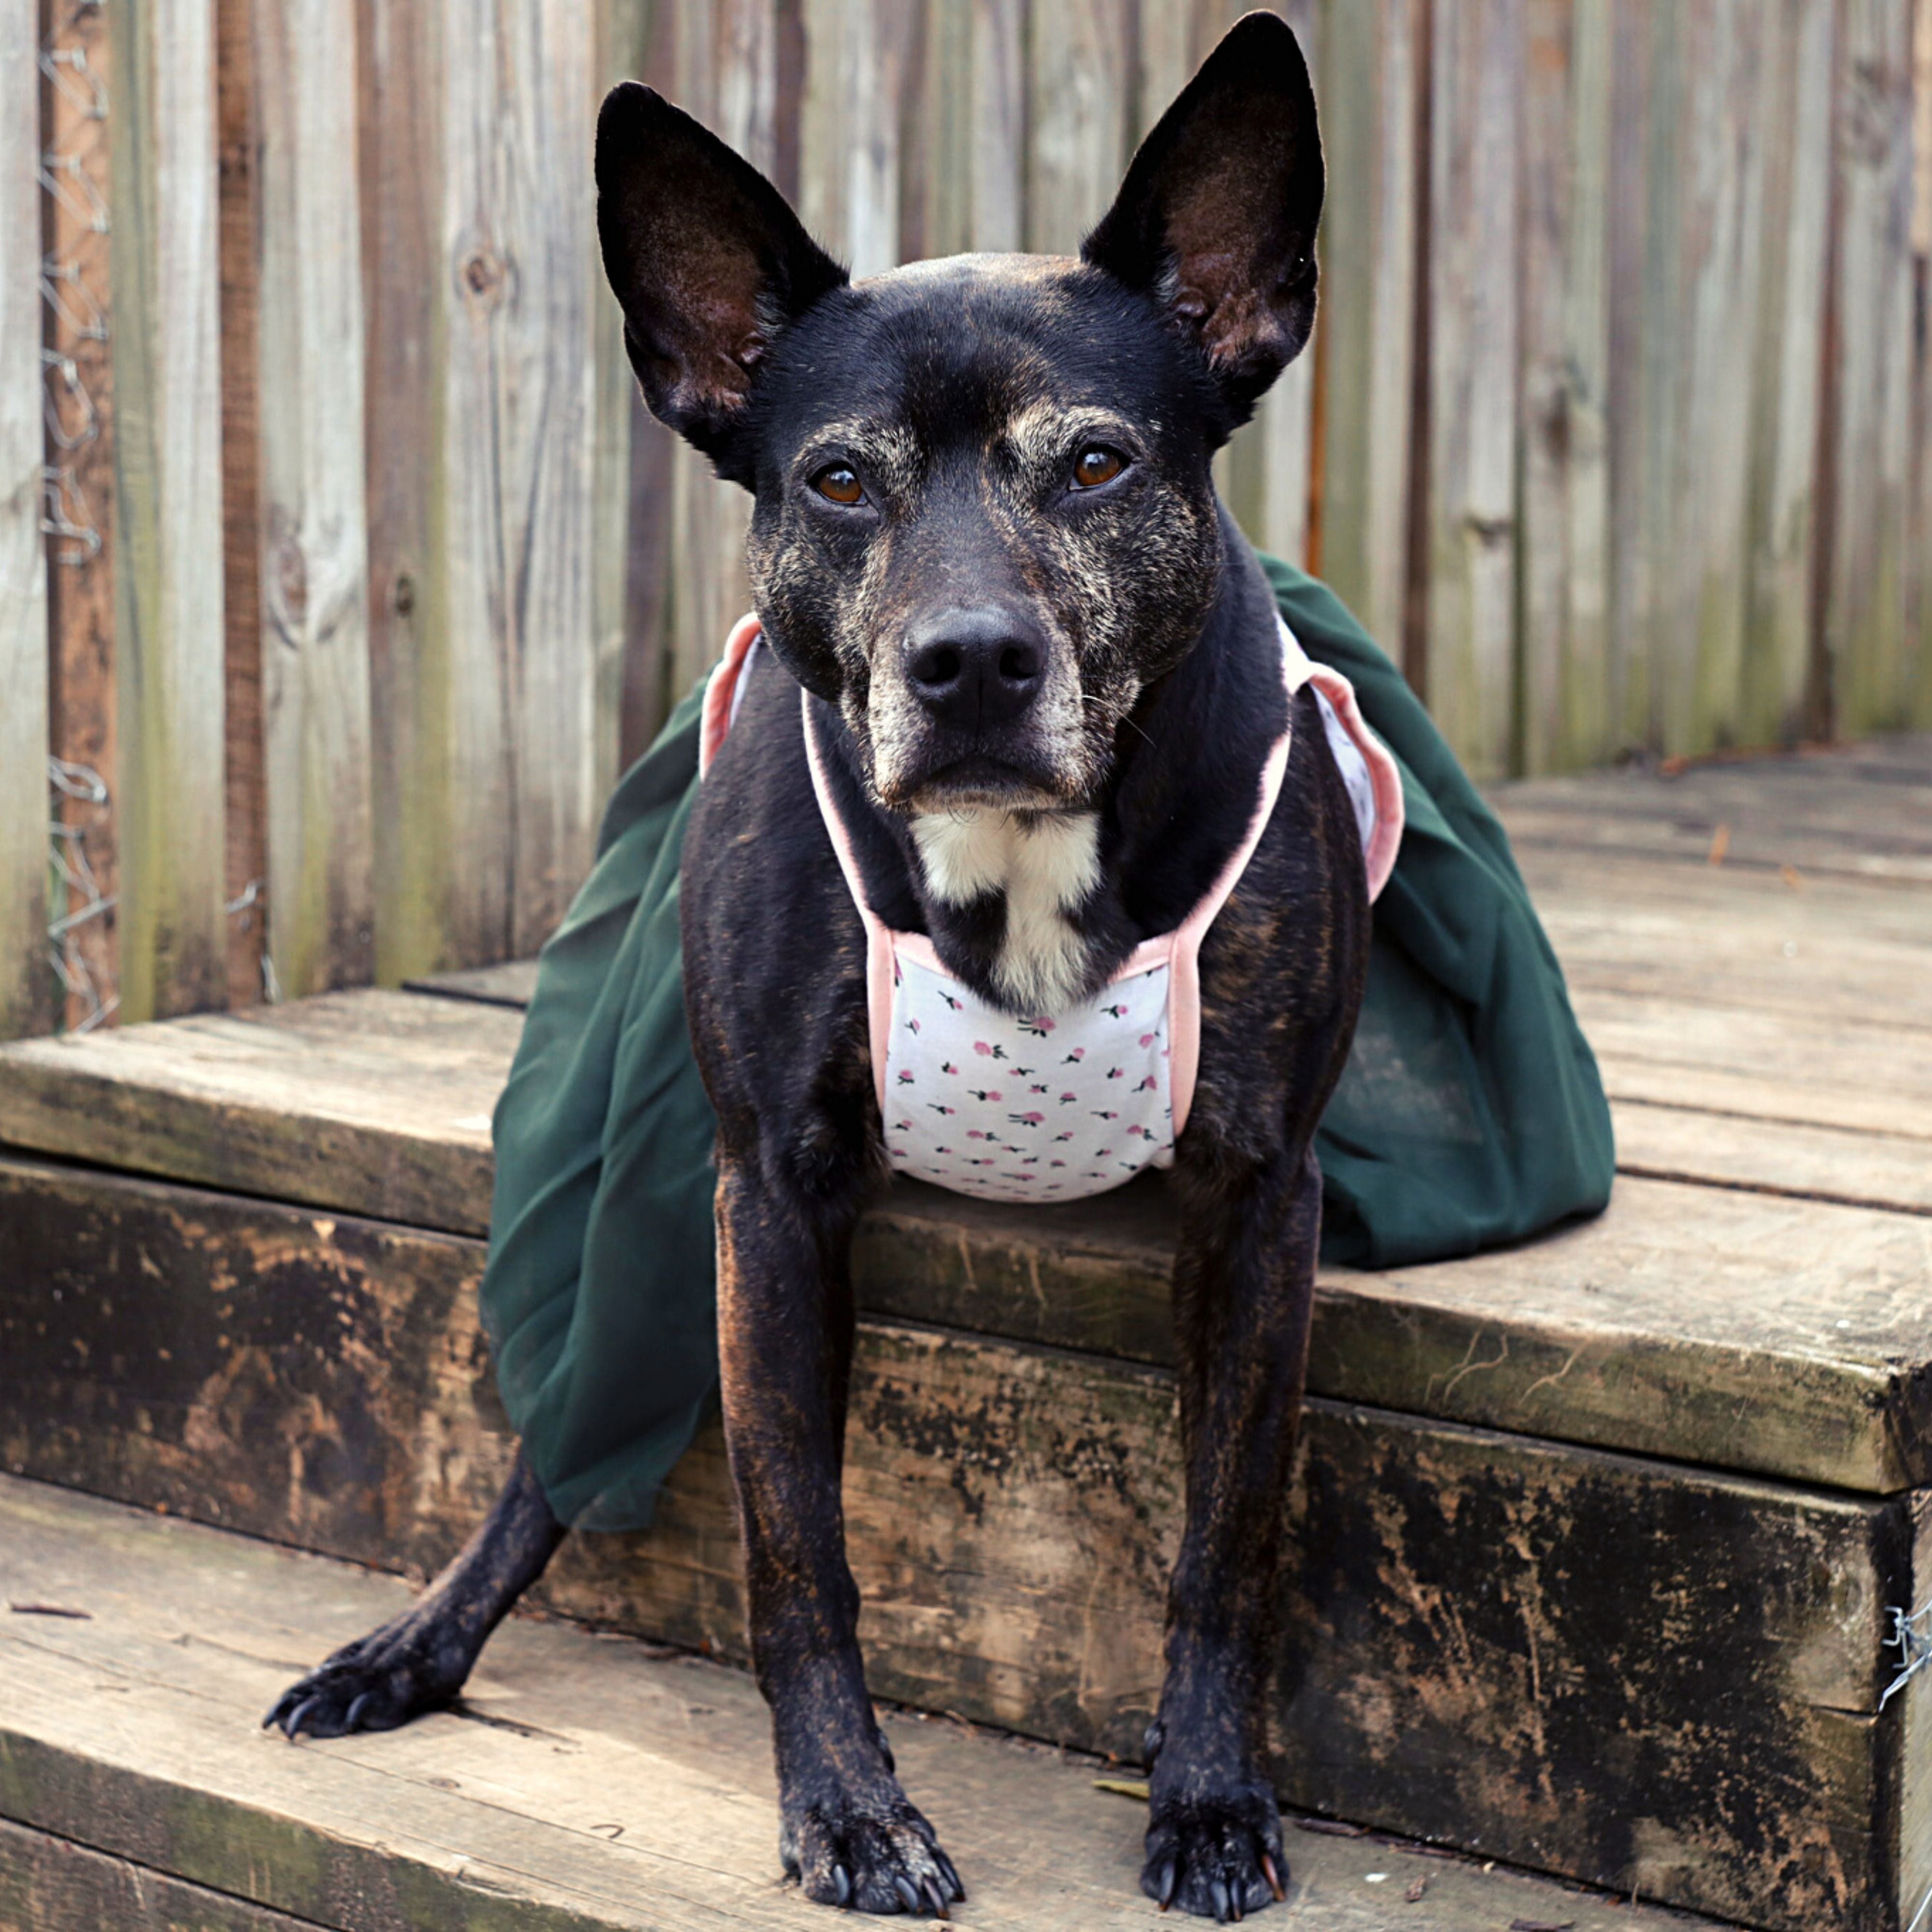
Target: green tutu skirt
1471,1113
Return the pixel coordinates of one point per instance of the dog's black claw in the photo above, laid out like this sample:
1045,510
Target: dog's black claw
1272,1874
1170,1877
356,1709
1217,1893
842,1880
952,1872
937,1898
299,1717
908,1891
1236,1893
275,1710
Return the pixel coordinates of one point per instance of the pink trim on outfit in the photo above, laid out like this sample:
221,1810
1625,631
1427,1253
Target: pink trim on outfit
1177,951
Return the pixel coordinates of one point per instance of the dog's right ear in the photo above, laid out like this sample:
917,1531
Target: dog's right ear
708,261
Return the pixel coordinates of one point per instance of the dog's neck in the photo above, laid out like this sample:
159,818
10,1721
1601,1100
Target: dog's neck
1045,868
1035,910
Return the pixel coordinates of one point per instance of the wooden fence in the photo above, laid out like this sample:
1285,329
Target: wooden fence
340,569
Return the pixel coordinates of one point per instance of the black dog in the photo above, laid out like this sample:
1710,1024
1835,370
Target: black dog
987,544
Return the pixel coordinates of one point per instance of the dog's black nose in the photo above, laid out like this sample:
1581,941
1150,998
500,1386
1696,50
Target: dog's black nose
971,668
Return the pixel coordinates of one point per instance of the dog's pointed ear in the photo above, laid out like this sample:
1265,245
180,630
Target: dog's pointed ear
708,261
1216,217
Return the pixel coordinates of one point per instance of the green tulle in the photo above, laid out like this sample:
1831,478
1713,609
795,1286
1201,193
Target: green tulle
1471,1113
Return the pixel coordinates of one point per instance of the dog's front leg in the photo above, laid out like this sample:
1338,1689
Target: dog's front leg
1244,1288
848,1833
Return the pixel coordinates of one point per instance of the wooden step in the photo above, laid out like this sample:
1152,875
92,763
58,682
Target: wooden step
585,1783
1768,1327
1632,1671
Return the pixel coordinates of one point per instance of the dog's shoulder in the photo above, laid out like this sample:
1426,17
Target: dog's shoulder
774,947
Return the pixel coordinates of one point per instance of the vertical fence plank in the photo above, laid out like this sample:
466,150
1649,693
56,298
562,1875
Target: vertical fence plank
555,523
1001,134
1565,640
493,644
1633,419
398,44
250,973
1865,597
313,558
1371,69
26,985
1477,94
1793,110
168,578
1698,662
631,704
726,75
967,152
1921,249
1264,472
1083,62
76,104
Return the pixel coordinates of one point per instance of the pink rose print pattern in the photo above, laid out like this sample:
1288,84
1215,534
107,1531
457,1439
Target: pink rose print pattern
1112,1048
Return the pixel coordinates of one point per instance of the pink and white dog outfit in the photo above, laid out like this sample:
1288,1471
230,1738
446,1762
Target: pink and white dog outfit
1055,1107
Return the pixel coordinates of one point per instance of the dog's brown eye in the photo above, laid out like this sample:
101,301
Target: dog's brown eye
838,484
1096,464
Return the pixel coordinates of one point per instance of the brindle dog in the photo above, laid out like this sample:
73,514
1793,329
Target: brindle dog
987,543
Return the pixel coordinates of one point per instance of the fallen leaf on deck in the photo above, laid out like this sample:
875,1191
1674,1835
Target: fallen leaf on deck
1123,1787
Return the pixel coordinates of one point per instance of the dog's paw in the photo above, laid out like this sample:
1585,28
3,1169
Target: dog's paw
875,1853
1216,1854
376,1683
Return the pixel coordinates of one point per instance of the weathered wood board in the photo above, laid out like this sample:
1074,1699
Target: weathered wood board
1475,180
48,1884
1676,1306
1868,401
168,611
26,984
375,1102
1373,64
239,136
313,552
495,645
76,110
1490,1600
1563,640
586,1782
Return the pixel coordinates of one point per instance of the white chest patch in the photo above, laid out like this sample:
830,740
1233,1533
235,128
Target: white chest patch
1045,866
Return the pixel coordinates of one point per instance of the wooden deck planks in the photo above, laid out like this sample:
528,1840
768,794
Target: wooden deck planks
589,1782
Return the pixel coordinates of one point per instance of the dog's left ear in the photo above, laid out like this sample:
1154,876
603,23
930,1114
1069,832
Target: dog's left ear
1216,217
709,262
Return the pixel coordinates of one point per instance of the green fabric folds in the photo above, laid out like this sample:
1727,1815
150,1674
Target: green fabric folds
1471,1113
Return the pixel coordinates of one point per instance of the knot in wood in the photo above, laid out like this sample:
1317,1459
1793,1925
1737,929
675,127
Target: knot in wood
483,274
